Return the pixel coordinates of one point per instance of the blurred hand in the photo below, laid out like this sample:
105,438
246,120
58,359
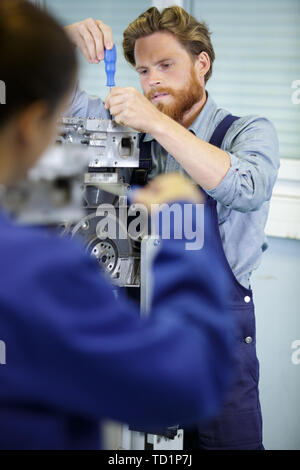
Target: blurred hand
168,188
92,37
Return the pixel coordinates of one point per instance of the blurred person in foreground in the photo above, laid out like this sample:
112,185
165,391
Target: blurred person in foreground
75,355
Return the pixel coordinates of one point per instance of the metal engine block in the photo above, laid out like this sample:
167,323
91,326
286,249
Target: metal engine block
113,151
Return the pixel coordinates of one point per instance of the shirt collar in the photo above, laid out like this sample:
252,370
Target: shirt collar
205,115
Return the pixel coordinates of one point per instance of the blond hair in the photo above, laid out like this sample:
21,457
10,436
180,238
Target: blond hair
192,34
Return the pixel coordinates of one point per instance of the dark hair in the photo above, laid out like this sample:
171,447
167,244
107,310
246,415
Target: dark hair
191,33
37,60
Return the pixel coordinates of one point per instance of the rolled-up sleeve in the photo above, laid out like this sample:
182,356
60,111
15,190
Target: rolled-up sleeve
252,145
85,106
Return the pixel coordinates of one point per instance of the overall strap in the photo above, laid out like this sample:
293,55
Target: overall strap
221,129
217,139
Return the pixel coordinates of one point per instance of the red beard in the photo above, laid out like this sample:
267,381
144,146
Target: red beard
183,99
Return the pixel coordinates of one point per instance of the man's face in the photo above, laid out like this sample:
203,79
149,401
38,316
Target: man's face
167,74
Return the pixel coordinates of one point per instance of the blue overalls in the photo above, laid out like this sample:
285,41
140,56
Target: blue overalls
239,426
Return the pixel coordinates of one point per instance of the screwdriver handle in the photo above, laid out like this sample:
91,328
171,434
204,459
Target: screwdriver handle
110,58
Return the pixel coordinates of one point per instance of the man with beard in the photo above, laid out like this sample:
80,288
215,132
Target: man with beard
235,160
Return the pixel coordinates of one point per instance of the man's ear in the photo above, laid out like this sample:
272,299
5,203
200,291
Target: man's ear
202,64
29,122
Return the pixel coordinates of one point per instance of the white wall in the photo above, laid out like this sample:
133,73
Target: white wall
276,286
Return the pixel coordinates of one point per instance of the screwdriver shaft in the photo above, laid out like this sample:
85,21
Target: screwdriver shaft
110,58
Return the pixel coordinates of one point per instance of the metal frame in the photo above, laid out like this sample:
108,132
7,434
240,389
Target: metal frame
133,440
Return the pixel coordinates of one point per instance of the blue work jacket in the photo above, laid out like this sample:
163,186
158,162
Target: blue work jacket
75,355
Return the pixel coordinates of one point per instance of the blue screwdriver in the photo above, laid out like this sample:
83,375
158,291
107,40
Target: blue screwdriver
110,59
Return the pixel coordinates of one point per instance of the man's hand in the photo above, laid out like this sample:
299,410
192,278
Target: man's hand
130,108
168,188
92,37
